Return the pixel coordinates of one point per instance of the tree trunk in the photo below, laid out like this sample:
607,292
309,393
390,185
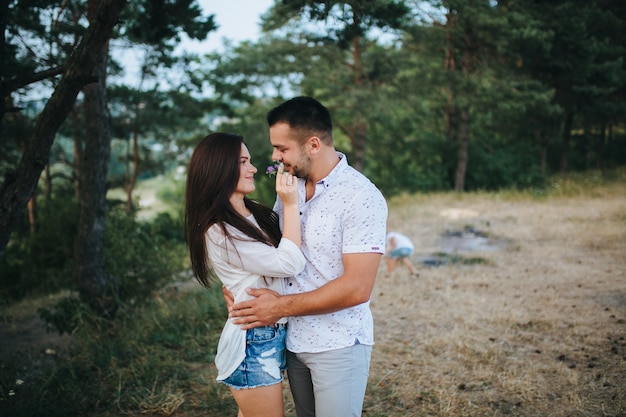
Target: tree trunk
543,150
360,129
78,150
48,184
464,117
4,11
600,143
463,151
449,65
360,137
567,136
356,58
18,188
133,172
32,215
96,287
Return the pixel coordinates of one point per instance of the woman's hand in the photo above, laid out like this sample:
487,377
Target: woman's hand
286,187
287,190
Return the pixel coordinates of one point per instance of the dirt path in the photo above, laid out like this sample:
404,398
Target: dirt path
26,332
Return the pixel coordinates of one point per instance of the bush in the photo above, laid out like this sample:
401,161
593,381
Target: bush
41,263
140,363
141,256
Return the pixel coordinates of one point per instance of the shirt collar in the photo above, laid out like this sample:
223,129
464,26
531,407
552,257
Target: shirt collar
336,171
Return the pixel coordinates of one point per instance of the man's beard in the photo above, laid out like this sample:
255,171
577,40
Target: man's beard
302,169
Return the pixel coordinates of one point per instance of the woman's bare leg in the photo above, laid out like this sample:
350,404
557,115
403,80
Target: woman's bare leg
260,402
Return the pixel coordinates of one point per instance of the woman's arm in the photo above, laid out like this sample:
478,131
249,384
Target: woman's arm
287,190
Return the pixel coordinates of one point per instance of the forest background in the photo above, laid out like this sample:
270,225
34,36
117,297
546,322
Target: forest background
427,96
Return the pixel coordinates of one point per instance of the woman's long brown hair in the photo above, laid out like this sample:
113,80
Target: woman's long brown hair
212,178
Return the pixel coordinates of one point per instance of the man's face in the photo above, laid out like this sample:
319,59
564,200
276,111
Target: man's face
289,151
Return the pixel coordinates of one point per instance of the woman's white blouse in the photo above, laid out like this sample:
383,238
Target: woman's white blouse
241,263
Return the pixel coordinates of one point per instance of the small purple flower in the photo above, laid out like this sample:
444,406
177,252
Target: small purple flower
272,170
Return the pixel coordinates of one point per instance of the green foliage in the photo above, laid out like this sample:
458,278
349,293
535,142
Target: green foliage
496,165
412,165
159,121
158,22
172,192
67,315
142,256
168,227
143,362
587,183
41,262
352,19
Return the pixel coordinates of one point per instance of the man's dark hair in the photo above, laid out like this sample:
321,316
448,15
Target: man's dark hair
304,114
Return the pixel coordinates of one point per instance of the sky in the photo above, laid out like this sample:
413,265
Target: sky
238,20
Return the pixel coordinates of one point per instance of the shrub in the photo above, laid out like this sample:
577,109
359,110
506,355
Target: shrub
141,256
141,362
41,262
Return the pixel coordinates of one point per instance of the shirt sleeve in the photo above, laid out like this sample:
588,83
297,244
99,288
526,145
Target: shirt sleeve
259,258
365,224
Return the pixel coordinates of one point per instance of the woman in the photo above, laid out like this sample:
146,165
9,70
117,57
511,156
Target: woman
239,241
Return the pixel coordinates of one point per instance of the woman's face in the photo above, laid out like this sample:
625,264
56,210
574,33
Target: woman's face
246,173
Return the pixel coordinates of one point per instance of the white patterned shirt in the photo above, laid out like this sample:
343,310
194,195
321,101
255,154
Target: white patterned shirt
347,214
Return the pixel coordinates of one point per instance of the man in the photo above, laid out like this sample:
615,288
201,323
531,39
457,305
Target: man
330,330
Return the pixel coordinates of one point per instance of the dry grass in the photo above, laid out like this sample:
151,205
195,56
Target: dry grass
538,329
535,325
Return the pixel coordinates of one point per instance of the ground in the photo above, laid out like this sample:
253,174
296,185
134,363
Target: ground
527,317
519,309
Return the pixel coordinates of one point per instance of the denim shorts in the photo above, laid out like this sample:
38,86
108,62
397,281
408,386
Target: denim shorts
400,253
265,358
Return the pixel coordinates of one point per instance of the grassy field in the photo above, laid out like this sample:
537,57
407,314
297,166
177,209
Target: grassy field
519,310
530,323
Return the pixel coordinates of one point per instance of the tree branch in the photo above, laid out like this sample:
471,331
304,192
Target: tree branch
17,191
9,86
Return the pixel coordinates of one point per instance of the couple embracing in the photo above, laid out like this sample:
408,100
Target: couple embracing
298,277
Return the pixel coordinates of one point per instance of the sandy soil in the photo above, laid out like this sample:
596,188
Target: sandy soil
528,319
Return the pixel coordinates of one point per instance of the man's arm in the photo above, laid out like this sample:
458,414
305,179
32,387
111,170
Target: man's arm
352,288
